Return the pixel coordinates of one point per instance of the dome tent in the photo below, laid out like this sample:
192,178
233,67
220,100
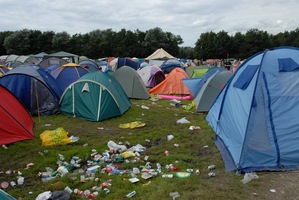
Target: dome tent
35,88
95,96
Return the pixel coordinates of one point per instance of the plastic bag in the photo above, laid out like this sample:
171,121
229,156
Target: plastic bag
55,137
183,121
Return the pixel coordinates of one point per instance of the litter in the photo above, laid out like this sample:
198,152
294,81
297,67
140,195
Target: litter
131,194
134,180
145,107
249,176
117,147
174,195
191,128
183,121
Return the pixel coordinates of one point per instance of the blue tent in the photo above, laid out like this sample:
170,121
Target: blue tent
91,65
35,88
168,65
195,84
255,117
127,62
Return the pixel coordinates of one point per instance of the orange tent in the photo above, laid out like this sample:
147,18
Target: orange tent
172,84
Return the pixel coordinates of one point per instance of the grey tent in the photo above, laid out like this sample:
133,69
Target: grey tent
210,90
73,58
45,63
131,82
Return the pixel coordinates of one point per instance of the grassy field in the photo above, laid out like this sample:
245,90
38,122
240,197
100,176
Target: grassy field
189,149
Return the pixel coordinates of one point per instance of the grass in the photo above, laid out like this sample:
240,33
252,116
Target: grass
196,151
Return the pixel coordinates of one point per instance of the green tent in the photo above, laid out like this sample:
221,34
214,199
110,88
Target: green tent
197,73
6,196
96,96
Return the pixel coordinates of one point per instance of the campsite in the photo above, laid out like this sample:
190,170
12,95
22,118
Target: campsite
112,135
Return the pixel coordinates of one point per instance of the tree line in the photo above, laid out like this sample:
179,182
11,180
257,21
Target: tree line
127,43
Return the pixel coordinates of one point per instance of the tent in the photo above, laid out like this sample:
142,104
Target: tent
95,96
168,65
69,57
68,73
159,54
35,88
117,63
195,84
151,75
173,84
255,116
198,73
3,69
45,63
210,90
158,57
131,82
91,65
15,122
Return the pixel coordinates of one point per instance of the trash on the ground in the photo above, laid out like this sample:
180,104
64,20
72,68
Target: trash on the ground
4,184
190,170
211,174
131,194
183,121
167,175
272,190
174,195
145,107
205,146
44,195
135,124
166,152
175,101
100,128
128,154
29,165
176,145
197,172
56,137
194,128
211,167
249,177
138,148
170,137
116,147
134,180
183,174
4,146
20,180
146,184
61,194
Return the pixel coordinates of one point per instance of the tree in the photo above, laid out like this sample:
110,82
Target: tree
205,46
3,35
60,41
18,42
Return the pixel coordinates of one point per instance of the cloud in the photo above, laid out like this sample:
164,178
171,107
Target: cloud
186,18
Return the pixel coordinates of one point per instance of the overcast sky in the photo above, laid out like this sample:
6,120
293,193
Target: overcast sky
187,18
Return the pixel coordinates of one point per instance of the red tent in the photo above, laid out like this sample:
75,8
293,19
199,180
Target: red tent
15,121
